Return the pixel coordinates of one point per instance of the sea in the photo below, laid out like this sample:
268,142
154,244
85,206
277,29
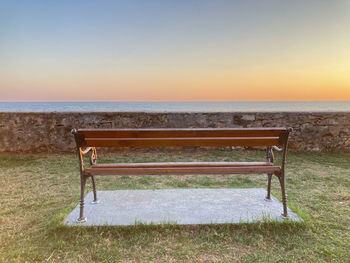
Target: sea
227,106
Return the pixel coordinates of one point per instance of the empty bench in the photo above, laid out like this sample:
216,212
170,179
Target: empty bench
87,140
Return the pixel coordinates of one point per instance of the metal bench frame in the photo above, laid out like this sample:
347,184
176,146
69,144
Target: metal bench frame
272,138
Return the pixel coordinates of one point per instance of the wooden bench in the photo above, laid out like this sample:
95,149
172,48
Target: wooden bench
272,138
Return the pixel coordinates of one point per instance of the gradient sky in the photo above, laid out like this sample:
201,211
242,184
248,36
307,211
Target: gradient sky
190,50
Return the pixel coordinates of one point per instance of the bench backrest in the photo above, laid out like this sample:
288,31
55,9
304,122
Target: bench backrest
180,137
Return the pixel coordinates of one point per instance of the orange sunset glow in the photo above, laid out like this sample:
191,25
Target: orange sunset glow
176,51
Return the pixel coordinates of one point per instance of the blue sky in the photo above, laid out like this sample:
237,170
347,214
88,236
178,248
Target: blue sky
174,50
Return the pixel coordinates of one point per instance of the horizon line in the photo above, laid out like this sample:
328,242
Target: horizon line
87,101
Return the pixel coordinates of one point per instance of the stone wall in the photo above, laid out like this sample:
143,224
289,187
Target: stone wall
48,132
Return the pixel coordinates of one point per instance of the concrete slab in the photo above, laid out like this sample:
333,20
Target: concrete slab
179,206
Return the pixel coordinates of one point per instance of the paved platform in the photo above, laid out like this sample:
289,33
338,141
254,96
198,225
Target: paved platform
179,206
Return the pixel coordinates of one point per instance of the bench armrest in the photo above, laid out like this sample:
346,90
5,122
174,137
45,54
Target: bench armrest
86,150
277,148
93,154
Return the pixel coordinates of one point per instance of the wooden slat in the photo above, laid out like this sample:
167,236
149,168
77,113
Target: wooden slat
183,170
166,133
180,164
159,142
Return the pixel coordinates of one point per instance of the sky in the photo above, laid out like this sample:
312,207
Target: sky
179,50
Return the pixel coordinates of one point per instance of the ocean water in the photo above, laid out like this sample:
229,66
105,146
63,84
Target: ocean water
230,106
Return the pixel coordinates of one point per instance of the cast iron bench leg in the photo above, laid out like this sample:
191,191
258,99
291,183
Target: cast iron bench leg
96,201
268,196
81,218
284,199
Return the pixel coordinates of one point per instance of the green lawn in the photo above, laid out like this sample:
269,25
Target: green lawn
38,191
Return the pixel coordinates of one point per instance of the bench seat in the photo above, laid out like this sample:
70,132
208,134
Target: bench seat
182,168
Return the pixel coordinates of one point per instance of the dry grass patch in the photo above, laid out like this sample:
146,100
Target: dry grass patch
37,192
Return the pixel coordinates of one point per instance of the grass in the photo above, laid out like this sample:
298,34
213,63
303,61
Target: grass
37,192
